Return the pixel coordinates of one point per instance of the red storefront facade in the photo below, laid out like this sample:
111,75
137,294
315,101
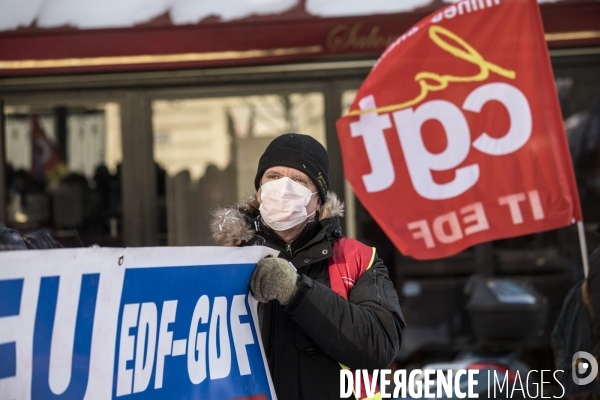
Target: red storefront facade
260,40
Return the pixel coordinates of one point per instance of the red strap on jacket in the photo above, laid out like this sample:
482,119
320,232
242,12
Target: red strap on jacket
350,260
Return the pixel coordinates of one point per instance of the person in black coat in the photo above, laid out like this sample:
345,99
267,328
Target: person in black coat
308,330
578,329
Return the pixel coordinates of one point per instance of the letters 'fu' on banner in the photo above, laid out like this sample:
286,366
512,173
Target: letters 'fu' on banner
147,323
456,137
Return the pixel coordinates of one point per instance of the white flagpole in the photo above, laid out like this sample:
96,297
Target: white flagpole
583,246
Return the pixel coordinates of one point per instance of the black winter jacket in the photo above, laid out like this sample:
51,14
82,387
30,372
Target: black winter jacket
306,340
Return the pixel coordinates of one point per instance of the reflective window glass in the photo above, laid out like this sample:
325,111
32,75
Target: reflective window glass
207,151
63,172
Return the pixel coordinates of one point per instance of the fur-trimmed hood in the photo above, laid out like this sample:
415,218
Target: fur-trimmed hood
230,226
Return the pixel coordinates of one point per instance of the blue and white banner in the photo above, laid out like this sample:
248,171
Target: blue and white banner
144,323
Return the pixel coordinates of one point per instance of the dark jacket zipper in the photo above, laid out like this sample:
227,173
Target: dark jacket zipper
374,277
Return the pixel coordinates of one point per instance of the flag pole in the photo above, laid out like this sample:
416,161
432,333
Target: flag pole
583,246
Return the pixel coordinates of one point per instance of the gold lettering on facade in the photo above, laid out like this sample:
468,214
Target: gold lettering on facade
350,37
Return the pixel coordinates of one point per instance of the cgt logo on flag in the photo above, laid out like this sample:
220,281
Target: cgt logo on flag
456,135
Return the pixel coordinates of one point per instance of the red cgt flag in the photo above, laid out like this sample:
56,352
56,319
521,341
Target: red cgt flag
456,137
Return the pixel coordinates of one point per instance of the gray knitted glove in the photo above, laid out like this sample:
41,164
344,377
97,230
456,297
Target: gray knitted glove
273,278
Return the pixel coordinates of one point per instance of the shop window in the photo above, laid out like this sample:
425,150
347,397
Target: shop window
63,172
578,87
207,150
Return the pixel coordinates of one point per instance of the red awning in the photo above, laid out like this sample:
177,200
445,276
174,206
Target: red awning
293,35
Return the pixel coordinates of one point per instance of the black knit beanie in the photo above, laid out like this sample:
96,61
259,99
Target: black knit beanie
301,152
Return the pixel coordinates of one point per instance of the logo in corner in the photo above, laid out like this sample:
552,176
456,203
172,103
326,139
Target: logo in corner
584,363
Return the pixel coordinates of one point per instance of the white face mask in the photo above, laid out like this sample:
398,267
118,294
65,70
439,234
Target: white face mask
284,203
